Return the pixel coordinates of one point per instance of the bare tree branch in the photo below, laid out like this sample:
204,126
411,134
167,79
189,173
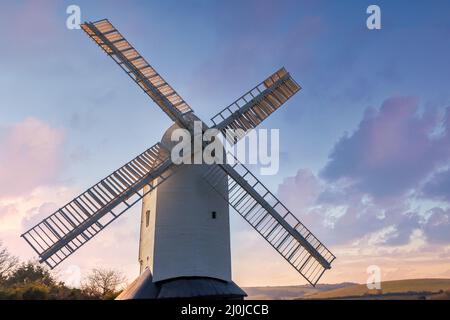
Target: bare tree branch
103,283
8,262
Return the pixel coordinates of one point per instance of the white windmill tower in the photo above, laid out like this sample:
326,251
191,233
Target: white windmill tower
185,238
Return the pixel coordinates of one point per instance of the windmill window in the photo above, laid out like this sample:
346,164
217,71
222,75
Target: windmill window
213,214
147,218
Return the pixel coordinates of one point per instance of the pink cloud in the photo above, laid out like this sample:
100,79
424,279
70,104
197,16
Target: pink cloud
32,156
375,174
307,188
438,225
30,164
398,134
391,151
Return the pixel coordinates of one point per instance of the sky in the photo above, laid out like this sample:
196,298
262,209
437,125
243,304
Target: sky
365,157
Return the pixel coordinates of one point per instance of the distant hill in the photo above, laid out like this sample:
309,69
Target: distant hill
289,292
435,289
397,289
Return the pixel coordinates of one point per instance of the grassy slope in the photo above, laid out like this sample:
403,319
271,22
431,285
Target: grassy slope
288,292
387,287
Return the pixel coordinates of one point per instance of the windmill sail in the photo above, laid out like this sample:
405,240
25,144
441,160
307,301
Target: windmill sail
131,61
272,220
256,105
66,230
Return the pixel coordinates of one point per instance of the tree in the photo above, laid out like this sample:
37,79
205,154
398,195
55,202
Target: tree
103,284
31,281
34,291
31,272
8,263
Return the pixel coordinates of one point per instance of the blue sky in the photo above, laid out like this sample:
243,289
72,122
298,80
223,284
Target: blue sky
58,82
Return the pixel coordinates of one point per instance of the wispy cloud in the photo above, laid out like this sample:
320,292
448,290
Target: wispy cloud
31,165
391,151
32,156
370,196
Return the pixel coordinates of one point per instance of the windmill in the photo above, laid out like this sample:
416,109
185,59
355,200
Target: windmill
184,248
